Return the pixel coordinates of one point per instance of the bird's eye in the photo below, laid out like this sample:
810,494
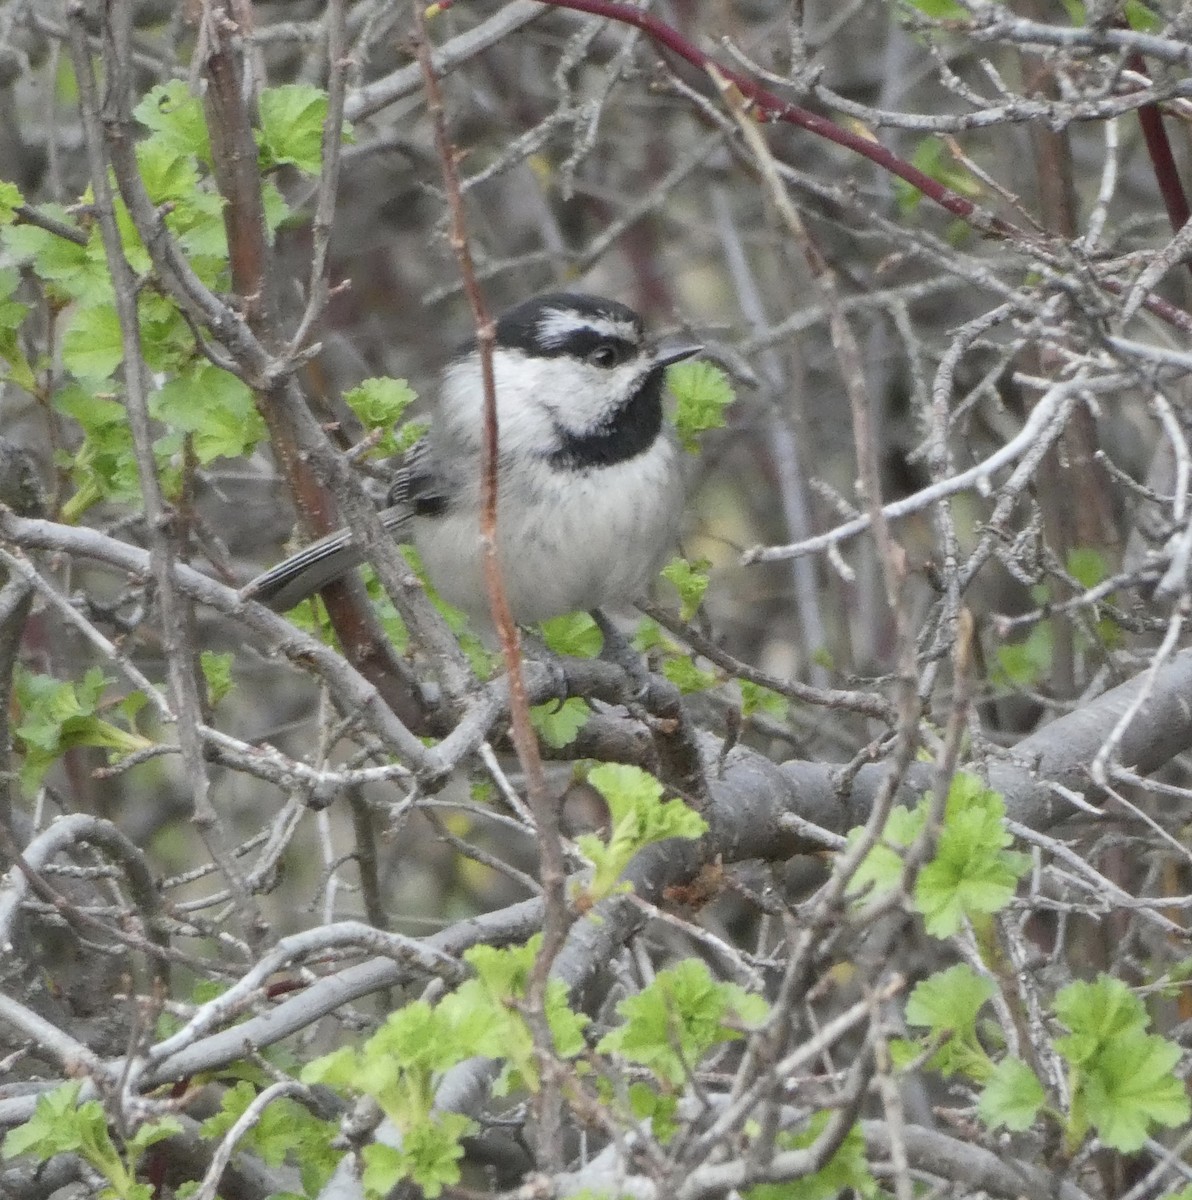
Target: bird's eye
605,354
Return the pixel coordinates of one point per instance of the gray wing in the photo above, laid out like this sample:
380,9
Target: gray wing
416,491
420,484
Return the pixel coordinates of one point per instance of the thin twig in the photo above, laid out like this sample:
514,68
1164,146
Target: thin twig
178,652
546,818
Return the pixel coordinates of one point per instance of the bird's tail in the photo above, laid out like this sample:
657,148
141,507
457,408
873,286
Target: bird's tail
316,565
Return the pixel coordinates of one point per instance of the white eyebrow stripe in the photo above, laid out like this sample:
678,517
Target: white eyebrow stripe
556,325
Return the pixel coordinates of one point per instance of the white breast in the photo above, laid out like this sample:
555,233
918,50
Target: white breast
567,541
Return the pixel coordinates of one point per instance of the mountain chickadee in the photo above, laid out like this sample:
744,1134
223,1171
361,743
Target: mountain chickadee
590,487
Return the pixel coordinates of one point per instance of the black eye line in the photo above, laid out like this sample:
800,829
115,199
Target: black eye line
579,344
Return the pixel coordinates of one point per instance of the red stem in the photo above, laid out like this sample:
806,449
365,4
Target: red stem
1158,146
769,107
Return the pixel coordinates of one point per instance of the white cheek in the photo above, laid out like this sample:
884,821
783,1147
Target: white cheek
535,397
523,413
580,396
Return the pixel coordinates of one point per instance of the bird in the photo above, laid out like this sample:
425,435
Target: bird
590,480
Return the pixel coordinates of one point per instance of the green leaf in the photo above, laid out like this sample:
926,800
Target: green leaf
166,341
217,671
557,724
57,715
686,676
647,1103
284,1130
971,874
881,869
150,1134
176,118
417,1036
948,1001
1097,1014
1173,979
130,706
845,1173
649,637
575,634
1132,1086
1141,18
566,1025
504,970
384,1169
691,582
1123,1079
903,1052
940,10
199,227
93,346
10,200
380,404
1109,634
502,977
638,819
60,1125
1012,1097
935,160
276,208
1025,664
104,466
399,1066
755,698
170,160
1087,566
12,311
430,1154
682,1014
703,392
12,316
168,175
336,1070
77,272
215,408
53,1128
291,128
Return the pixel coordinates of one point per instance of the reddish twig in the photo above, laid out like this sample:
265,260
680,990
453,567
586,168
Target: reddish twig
546,817
319,290
523,735
768,108
1158,147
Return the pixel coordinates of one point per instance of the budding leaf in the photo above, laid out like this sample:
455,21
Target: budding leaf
1012,1097
703,393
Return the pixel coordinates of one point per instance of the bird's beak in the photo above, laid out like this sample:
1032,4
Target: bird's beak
666,356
